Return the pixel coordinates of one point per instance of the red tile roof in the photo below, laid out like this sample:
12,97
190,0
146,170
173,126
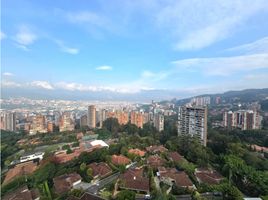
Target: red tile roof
22,193
156,149
155,161
175,156
136,152
180,177
120,160
133,179
65,182
100,169
208,176
21,169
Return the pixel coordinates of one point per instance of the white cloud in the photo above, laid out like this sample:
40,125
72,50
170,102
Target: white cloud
104,68
8,74
152,76
25,36
258,46
2,35
224,66
66,49
85,17
22,47
42,84
10,84
198,24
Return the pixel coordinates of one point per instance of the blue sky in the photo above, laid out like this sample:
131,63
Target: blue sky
124,46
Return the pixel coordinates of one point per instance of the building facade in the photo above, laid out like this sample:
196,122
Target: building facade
8,121
136,118
91,117
192,121
159,122
242,119
66,122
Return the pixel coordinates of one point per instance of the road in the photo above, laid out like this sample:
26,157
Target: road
100,184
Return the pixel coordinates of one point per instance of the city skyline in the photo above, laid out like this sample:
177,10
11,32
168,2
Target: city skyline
126,49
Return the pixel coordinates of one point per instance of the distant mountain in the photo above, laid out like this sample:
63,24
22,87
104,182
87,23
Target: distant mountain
248,95
142,96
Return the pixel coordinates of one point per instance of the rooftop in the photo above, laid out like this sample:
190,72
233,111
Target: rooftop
133,179
180,177
156,149
65,182
22,193
137,152
100,169
175,156
120,160
155,161
21,169
208,176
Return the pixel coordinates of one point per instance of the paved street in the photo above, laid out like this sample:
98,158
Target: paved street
100,184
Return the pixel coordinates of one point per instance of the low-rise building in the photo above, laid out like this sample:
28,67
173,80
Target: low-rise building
155,161
175,156
100,170
134,179
137,152
120,160
66,182
208,176
20,169
156,149
171,176
22,193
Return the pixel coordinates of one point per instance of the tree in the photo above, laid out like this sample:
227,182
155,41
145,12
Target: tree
125,195
111,124
65,147
83,166
44,173
89,172
233,165
69,151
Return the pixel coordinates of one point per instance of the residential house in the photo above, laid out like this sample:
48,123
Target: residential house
137,152
174,156
100,170
208,176
171,176
66,182
156,149
134,179
21,169
22,193
120,160
155,161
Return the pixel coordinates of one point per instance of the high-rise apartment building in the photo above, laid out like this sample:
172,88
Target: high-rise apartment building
83,121
91,117
66,122
38,124
192,120
50,127
242,119
121,116
159,122
8,121
200,101
136,118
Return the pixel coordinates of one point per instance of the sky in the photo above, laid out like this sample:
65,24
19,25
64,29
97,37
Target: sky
168,48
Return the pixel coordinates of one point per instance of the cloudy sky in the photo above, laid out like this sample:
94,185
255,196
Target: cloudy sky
129,47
